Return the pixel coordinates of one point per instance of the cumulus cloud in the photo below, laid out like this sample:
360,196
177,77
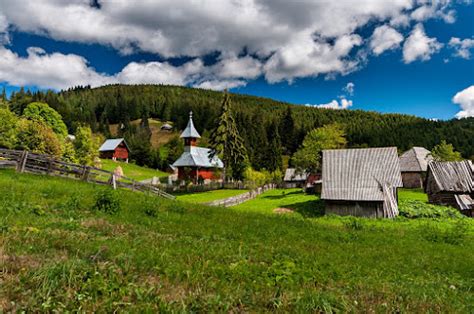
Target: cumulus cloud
48,70
462,47
385,38
334,104
305,57
465,99
60,71
418,46
281,40
349,88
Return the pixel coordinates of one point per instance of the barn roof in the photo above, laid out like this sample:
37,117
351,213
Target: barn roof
360,174
190,131
198,157
415,160
453,176
292,175
111,144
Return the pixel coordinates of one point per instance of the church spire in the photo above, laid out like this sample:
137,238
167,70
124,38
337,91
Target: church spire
190,131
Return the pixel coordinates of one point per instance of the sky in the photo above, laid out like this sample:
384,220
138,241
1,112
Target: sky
405,56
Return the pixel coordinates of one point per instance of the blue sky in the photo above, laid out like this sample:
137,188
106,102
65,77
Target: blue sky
404,56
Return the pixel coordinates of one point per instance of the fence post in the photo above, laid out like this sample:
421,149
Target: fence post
85,173
22,163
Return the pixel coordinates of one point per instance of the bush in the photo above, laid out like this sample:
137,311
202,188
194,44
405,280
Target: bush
107,201
151,206
419,209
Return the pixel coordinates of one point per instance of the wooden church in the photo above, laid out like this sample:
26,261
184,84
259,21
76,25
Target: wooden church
195,164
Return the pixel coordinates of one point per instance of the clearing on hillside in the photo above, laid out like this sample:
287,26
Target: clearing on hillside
71,246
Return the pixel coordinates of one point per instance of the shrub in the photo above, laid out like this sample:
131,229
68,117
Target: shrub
419,209
107,201
454,234
353,223
151,206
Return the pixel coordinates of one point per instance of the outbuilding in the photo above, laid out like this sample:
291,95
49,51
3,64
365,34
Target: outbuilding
413,165
451,184
294,178
361,182
115,149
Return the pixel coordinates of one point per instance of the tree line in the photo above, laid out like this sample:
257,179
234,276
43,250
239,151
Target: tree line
271,131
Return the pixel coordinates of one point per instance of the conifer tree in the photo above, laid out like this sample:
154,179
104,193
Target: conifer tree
226,142
273,154
287,132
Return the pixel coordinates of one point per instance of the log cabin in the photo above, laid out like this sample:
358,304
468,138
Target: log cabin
451,184
361,182
115,149
413,165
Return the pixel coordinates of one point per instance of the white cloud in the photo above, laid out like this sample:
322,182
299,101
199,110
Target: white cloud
305,57
418,46
465,99
349,88
281,40
60,71
385,38
462,47
47,71
334,104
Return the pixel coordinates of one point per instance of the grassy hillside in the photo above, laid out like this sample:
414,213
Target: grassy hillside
158,137
208,196
131,170
59,253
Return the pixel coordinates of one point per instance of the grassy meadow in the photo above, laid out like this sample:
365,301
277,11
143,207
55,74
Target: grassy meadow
208,196
131,170
70,246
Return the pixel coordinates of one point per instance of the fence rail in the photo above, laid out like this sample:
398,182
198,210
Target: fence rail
239,199
25,161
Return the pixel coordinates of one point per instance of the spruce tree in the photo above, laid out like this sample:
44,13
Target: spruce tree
273,159
287,132
226,142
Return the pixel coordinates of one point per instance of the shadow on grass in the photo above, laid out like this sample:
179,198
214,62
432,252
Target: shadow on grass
283,195
308,209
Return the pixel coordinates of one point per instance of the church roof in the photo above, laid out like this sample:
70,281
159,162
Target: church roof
190,131
198,157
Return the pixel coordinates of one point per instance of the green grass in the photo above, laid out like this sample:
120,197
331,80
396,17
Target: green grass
412,195
131,170
208,196
294,199
59,254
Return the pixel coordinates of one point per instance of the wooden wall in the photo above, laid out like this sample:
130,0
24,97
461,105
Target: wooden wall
412,180
355,208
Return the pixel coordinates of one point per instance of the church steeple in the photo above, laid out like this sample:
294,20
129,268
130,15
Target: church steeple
190,134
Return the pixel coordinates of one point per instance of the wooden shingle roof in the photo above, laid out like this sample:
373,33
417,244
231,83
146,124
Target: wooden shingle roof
415,160
453,176
360,174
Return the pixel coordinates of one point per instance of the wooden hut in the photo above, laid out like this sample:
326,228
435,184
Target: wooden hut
451,184
194,163
361,182
115,149
413,165
295,179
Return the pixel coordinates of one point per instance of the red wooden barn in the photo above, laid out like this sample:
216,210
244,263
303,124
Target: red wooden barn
195,163
115,149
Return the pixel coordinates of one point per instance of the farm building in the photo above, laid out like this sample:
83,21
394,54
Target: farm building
451,184
361,182
294,179
413,165
166,127
195,163
115,149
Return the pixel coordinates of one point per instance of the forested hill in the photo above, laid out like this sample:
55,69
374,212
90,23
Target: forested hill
259,119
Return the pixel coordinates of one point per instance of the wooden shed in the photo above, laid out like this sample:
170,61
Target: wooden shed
413,165
294,178
115,149
451,184
361,182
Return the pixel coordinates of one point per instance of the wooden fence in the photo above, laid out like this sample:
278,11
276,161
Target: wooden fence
25,161
239,199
